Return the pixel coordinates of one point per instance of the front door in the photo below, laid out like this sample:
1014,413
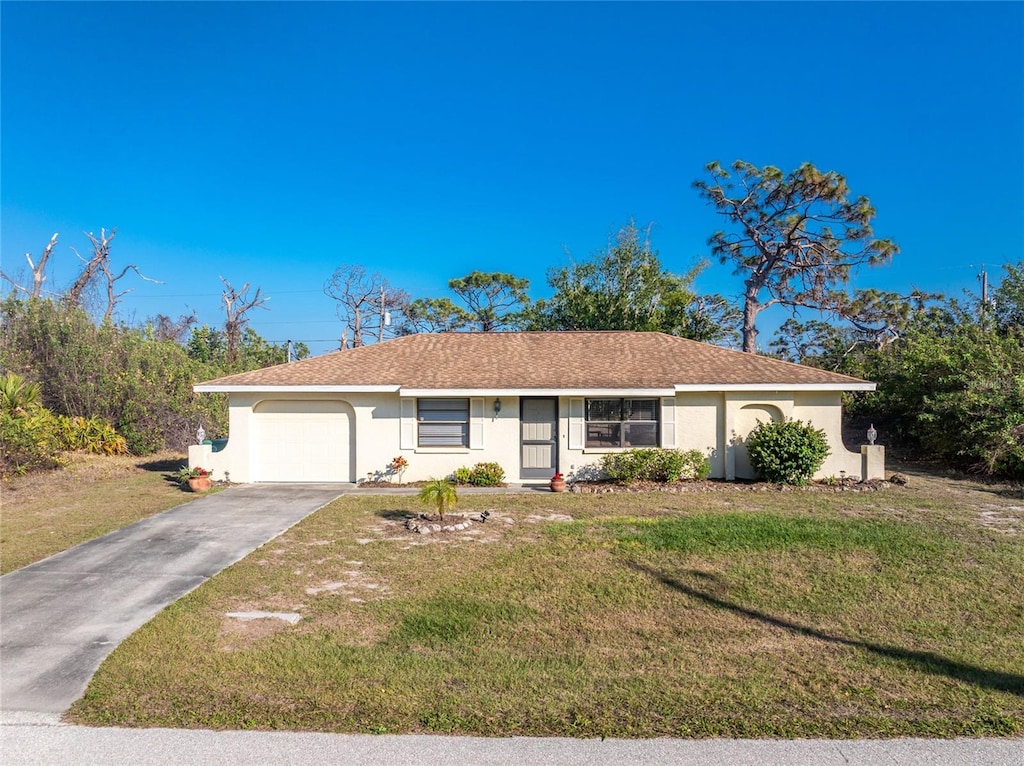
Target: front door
539,418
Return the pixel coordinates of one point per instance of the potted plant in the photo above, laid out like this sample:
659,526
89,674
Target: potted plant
558,483
197,479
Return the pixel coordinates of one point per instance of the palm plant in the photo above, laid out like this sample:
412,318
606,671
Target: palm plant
441,494
17,396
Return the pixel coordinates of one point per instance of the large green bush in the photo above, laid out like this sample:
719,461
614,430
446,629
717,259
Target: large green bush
661,465
30,442
788,452
953,393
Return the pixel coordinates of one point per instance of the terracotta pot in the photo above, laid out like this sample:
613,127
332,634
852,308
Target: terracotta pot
558,485
199,483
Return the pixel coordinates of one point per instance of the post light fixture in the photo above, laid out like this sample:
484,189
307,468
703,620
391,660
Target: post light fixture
872,434
200,434
497,406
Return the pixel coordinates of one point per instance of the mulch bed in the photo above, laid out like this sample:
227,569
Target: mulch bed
739,485
697,486
409,485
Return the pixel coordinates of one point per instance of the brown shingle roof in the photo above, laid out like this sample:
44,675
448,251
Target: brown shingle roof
537,360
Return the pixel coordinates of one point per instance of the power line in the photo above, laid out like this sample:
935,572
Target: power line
218,295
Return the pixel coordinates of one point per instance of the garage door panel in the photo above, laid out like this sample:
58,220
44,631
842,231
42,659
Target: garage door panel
302,442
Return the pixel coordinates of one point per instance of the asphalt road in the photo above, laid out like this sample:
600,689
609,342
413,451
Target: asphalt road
62,616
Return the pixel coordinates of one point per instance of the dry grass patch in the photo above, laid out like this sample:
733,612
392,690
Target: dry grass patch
48,512
747,614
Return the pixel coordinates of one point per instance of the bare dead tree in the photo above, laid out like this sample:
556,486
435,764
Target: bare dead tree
99,263
365,302
94,265
38,271
112,295
236,305
165,328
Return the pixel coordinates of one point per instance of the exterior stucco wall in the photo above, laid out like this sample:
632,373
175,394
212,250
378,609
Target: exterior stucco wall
498,442
821,409
700,420
711,422
825,410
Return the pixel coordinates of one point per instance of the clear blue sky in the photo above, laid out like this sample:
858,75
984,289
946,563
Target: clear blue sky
271,142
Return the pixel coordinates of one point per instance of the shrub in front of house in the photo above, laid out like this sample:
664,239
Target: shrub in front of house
461,475
695,465
480,475
661,465
788,452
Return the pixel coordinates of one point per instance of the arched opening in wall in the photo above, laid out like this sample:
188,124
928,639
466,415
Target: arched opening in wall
303,441
747,420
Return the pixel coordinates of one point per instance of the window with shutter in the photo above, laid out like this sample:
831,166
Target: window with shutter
442,422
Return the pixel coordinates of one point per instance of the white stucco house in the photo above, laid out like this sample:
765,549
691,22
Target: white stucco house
534,402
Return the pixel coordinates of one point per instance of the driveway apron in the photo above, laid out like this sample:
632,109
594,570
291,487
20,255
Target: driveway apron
60,617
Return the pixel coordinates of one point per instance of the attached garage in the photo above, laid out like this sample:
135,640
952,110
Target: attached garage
302,441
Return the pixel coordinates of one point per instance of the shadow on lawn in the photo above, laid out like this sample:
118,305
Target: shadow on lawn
928,662
163,464
395,515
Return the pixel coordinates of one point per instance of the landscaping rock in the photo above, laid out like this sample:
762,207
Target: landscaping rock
425,525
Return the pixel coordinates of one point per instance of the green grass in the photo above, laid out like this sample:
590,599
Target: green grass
740,614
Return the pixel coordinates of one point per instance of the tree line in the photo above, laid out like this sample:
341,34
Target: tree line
793,238
67,348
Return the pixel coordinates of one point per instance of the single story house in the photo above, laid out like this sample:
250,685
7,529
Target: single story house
537,403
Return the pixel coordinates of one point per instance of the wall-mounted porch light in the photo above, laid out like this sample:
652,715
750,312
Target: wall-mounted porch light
497,406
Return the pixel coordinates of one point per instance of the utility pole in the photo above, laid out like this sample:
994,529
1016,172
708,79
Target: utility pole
983,312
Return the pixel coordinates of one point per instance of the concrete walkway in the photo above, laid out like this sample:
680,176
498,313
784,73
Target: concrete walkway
26,745
62,616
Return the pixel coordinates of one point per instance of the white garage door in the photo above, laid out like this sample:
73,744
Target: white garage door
301,441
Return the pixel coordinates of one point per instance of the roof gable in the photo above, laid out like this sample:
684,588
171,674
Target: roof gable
502,361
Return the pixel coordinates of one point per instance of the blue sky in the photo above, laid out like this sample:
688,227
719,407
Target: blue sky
271,142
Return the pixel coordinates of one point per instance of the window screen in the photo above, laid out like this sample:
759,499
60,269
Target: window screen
622,423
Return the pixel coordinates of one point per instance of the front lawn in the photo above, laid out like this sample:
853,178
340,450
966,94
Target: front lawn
734,613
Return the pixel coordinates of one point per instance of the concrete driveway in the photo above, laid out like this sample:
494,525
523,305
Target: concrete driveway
60,617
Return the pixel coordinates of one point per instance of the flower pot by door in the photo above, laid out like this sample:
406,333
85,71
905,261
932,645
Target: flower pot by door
199,483
558,485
